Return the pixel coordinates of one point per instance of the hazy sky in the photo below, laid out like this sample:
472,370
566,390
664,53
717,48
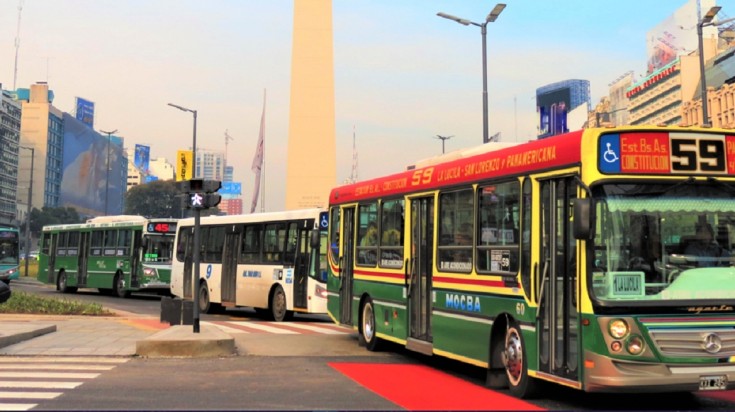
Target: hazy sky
402,74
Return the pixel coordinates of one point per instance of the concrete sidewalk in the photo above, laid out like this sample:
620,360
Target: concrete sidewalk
37,335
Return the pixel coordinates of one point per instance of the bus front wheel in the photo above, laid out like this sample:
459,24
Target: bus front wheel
516,364
205,303
367,326
119,285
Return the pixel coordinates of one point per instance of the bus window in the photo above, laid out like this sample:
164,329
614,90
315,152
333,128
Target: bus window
110,242
275,237
124,239
391,234
73,245
334,233
367,233
61,246
185,236
215,244
456,231
250,246
96,246
498,210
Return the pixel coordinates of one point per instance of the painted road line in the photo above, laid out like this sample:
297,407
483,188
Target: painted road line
318,329
49,375
55,359
29,395
51,366
224,328
39,384
17,406
263,327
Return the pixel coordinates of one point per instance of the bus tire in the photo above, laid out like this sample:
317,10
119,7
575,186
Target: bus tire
278,305
368,334
119,286
516,364
205,302
62,286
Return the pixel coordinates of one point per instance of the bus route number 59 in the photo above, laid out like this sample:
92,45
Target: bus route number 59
422,177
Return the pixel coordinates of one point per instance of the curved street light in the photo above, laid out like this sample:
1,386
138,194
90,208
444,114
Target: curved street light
491,17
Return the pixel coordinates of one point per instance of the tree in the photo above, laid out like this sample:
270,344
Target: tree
52,216
154,199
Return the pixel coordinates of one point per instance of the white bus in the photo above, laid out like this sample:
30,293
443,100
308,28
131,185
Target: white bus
267,261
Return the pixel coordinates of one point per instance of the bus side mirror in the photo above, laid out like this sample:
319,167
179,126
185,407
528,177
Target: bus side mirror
582,225
315,238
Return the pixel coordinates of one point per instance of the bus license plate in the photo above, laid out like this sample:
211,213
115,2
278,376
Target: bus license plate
713,383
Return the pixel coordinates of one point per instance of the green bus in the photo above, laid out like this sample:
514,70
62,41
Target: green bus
117,255
9,256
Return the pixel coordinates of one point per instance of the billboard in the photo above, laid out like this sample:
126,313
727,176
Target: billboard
552,108
230,188
142,158
85,112
676,35
87,184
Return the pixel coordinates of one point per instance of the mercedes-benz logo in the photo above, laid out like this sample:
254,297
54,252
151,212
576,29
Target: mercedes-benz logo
712,343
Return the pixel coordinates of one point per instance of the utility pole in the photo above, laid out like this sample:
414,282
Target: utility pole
17,46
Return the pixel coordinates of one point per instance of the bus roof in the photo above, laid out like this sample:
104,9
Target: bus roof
257,217
118,218
469,165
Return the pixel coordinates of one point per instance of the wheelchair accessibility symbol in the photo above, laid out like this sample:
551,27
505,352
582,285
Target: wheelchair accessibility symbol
609,155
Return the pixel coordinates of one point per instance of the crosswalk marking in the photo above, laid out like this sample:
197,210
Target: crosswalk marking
29,395
36,379
283,328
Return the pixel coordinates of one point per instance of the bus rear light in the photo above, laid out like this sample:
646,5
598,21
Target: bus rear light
615,346
321,291
635,345
149,272
618,328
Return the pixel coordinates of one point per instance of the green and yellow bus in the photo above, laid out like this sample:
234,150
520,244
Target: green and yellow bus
9,253
115,254
564,259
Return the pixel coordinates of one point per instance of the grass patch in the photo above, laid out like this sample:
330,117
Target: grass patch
21,302
32,268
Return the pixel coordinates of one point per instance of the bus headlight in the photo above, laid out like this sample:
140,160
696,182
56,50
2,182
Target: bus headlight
149,272
635,345
618,328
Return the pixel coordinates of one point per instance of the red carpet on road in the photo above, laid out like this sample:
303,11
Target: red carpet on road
418,387
728,396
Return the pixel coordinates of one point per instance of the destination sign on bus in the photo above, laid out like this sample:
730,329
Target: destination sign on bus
162,227
666,153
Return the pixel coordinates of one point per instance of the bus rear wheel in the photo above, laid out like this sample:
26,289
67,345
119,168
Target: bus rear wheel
367,326
516,364
62,286
119,286
278,305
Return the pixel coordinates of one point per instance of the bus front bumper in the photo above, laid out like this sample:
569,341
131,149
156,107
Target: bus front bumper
604,374
8,275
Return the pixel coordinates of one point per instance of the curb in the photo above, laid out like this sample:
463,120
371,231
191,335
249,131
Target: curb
180,341
18,337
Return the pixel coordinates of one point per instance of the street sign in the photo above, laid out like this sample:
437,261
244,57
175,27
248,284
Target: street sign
184,165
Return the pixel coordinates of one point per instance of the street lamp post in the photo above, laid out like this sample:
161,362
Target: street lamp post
494,13
28,209
107,167
197,214
443,139
705,22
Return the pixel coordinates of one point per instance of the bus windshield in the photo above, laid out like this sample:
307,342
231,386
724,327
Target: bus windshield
9,247
663,242
158,249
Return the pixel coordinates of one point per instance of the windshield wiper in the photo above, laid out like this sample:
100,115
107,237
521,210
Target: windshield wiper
722,184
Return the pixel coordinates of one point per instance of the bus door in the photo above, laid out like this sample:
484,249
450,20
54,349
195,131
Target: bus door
418,270
188,233
557,319
346,265
301,266
53,241
136,250
230,252
83,258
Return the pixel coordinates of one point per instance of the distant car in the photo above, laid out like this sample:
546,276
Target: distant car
33,255
4,292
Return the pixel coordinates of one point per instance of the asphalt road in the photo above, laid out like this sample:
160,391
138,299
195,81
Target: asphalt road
293,372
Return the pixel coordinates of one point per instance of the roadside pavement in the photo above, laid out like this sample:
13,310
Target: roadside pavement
126,334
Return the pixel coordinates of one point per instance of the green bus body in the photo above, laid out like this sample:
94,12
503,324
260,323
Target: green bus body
9,254
578,269
115,254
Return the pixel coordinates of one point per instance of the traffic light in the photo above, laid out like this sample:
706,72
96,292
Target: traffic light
200,193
